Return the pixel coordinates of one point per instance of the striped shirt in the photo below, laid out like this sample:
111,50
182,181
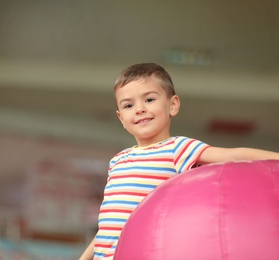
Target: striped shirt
134,173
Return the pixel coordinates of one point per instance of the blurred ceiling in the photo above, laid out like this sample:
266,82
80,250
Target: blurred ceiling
59,60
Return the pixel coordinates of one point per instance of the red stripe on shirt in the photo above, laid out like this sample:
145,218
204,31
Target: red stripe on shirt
182,151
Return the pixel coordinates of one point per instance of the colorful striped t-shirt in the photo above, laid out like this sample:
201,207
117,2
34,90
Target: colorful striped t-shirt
133,174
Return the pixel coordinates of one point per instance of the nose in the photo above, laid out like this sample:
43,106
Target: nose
140,108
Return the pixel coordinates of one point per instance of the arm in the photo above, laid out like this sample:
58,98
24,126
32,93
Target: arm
218,154
88,253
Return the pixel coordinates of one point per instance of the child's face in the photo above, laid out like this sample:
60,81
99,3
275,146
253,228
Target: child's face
145,111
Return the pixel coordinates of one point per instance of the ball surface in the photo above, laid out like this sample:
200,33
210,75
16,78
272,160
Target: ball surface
224,211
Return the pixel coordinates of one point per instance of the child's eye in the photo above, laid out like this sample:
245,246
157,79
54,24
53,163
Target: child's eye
127,106
150,100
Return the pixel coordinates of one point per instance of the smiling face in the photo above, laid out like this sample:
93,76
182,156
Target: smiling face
145,111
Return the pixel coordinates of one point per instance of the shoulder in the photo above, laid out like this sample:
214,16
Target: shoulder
188,147
187,152
121,153
186,141
119,156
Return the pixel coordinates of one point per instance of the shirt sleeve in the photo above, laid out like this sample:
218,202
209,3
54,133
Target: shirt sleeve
186,152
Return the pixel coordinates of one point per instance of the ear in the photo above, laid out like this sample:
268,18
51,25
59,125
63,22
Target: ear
119,117
174,105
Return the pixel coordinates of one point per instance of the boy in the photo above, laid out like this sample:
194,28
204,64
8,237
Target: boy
146,102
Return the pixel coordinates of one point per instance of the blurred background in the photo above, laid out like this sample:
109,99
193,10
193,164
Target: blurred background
58,128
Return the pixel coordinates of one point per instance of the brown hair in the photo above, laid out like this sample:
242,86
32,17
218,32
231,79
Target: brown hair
145,71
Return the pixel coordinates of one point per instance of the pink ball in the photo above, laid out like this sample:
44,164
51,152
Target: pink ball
215,212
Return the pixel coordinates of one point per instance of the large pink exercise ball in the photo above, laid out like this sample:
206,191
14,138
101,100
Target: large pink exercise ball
216,212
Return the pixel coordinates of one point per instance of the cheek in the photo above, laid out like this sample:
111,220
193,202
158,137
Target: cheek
126,118
165,111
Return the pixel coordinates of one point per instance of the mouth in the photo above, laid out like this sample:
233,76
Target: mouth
143,121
